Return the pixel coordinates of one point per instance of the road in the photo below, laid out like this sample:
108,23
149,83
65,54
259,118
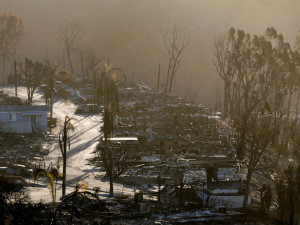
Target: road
84,140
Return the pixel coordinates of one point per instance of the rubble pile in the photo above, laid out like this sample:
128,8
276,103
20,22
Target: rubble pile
19,154
173,134
186,166
187,162
186,158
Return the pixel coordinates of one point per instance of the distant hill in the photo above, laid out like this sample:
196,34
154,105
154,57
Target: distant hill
130,33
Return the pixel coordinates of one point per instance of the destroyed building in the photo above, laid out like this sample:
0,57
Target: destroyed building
175,135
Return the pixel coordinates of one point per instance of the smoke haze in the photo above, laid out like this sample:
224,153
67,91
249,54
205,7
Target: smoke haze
130,34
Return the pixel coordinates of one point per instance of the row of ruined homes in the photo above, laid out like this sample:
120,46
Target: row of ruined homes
186,153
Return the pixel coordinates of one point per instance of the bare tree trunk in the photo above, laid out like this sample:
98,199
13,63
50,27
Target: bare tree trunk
289,104
171,83
158,77
168,76
95,90
172,74
288,121
216,104
51,107
31,94
28,96
64,139
16,80
175,64
81,60
64,65
111,187
64,142
69,57
64,171
225,97
246,193
3,69
297,104
292,197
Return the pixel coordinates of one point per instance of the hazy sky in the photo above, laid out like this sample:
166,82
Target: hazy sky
130,33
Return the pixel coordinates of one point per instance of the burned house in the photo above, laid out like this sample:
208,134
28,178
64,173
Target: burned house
178,136
226,193
180,195
131,145
224,187
23,118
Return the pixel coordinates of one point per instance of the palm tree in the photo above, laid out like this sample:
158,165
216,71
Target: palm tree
48,174
79,186
51,76
109,79
110,159
64,143
73,201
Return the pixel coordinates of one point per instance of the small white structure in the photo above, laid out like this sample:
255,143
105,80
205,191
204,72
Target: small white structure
23,118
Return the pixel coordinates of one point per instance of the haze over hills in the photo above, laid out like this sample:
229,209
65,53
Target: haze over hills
130,33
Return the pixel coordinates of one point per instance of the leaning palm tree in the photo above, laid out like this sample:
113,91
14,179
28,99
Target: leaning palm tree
46,173
64,143
79,186
50,173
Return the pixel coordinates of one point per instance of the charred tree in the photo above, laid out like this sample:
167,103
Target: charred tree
175,46
64,144
69,34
